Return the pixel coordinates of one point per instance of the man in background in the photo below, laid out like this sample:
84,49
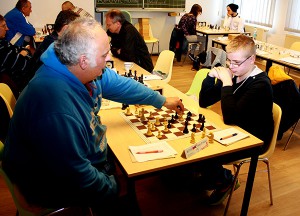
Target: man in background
61,23
67,5
19,27
127,43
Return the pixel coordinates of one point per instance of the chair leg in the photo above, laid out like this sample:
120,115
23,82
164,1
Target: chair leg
266,161
288,141
152,49
238,167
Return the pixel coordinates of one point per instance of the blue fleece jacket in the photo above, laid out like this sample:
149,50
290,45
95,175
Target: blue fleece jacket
16,22
56,138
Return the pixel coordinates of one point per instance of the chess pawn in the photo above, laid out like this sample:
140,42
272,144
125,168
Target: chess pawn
210,138
159,136
166,129
181,118
203,133
128,113
153,128
193,138
157,122
150,116
149,132
136,110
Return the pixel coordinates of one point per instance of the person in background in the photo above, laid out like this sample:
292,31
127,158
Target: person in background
67,5
14,62
19,27
127,43
61,23
232,20
56,132
246,98
187,24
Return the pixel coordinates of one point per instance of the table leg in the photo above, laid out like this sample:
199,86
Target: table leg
268,65
133,203
250,180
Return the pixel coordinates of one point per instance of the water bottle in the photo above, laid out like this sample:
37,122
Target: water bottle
255,34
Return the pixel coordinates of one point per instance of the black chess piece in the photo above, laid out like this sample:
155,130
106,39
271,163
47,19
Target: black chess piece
176,115
186,130
172,119
194,128
124,106
169,124
200,118
202,125
188,116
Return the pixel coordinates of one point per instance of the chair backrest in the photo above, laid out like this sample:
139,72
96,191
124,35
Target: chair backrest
8,97
164,63
197,83
215,56
295,46
276,117
127,15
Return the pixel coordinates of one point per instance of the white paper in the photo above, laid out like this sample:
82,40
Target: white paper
152,77
167,151
228,132
291,60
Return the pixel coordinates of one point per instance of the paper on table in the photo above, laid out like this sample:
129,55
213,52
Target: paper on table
108,104
227,137
167,151
291,60
152,77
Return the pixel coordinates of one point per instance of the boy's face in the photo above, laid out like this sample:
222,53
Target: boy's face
240,62
3,29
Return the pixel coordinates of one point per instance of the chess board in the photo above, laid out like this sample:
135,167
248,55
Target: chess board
177,127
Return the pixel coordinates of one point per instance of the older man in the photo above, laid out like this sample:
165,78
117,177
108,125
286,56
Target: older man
56,132
19,27
127,43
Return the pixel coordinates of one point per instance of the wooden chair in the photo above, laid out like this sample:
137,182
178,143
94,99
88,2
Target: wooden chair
164,64
151,40
263,157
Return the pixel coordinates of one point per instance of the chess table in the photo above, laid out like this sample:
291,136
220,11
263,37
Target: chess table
120,135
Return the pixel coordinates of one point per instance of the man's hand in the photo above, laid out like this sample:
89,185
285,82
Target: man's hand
223,74
174,103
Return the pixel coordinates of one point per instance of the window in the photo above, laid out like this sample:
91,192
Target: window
292,23
258,12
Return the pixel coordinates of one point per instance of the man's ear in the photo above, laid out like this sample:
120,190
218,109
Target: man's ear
83,62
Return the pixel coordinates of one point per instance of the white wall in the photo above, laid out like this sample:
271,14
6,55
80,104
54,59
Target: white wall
44,12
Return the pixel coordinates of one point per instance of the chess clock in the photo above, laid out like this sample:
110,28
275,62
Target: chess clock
110,64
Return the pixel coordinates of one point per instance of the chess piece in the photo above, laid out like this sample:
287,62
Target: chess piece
150,116
128,113
136,110
153,128
203,133
188,116
166,126
149,132
159,136
157,122
194,129
181,118
143,118
210,138
169,124
193,138
176,115
186,130
172,119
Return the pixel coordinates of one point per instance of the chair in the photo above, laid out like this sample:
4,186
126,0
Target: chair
164,63
127,15
197,84
192,47
151,39
8,97
263,157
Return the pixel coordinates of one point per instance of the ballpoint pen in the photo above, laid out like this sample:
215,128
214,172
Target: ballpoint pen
149,152
229,136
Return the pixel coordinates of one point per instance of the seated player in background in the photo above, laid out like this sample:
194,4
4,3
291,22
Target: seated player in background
127,43
61,23
56,132
14,62
67,5
232,20
246,98
20,30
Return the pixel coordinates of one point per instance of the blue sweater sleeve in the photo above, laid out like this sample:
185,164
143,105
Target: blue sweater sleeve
129,91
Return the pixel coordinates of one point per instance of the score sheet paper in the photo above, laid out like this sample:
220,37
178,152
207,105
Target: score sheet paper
226,136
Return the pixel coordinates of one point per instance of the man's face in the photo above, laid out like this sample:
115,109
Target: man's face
27,9
229,11
102,55
3,29
113,27
240,62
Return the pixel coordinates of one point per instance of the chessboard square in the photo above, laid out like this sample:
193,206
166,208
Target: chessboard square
210,127
134,120
179,133
166,115
169,111
141,127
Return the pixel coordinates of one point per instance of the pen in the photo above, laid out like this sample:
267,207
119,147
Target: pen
229,136
149,152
